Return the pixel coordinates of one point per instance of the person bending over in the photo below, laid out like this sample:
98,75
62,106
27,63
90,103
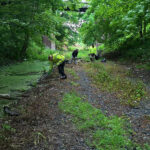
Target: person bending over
58,60
74,56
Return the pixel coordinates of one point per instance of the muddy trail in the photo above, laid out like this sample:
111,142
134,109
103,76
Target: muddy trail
110,105
42,126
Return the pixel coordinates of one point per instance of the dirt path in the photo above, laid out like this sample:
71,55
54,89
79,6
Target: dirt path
110,105
42,126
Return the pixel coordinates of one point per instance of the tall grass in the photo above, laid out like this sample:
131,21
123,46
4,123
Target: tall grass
111,78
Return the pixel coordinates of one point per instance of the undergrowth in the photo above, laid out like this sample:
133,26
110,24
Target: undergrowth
5,132
111,78
37,52
74,83
108,133
143,66
104,133
72,72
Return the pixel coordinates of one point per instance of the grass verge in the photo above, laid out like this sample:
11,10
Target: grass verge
112,78
106,133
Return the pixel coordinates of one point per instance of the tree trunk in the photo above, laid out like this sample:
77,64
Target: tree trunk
25,44
144,30
141,31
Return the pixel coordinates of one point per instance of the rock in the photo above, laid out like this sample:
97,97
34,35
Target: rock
8,111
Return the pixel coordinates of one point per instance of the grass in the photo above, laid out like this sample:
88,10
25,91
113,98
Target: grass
83,54
104,133
72,72
107,133
5,131
74,83
112,78
143,66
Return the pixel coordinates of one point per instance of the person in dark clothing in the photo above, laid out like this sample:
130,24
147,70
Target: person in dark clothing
61,70
99,54
97,57
74,55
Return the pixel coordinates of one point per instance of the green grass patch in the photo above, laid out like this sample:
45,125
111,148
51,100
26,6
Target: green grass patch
74,83
107,133
112,78
72,72
143,66
83,54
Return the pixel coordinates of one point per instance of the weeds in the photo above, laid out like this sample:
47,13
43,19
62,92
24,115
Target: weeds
5,132
38,136
72,72
113,79
74,83
144,66
107,133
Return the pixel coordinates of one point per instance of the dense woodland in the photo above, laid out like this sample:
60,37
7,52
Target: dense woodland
121,25
24,22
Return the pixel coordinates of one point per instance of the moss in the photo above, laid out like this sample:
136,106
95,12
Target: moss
19,77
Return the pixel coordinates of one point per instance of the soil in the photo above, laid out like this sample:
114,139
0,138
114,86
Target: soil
42,126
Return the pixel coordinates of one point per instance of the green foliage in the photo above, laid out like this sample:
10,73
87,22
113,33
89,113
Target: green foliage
37,52
139,53
101,47
145,66
116,23
111,79
83,54
22,22
107,133
7,127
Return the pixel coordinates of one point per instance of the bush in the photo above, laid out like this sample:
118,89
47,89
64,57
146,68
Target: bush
36,51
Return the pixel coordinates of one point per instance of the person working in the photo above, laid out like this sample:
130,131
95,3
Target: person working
58,60
74,55
92,53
